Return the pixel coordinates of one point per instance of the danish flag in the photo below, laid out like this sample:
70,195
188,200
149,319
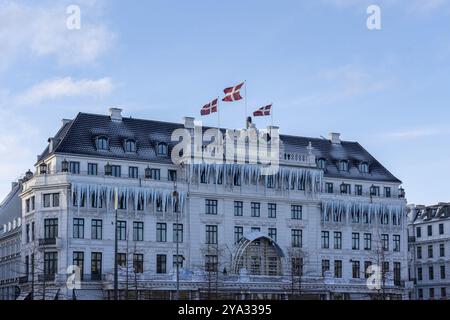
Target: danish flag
233,93
264,111
210,108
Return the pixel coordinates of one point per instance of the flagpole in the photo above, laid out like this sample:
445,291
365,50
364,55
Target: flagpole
218,113
245,96
271,114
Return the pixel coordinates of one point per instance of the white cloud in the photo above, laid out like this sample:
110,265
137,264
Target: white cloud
64,88
413,134
41,31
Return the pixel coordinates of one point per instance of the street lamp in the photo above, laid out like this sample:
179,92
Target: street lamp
108,170
43,168
65,166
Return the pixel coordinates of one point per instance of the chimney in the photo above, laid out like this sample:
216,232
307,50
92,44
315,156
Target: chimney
116,114
65,121
189,122
28,175
335,138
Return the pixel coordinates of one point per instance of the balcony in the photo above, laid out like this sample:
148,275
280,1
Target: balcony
47,242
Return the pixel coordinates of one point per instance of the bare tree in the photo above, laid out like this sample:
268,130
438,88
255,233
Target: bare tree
298,258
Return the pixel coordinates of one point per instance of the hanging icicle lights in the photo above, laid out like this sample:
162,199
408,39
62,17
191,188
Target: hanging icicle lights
129,198
359,212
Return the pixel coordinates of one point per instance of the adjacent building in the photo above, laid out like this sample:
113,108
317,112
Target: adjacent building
429,251
311,230
10,243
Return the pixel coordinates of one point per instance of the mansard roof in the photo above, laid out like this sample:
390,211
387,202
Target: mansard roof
11,207
78,136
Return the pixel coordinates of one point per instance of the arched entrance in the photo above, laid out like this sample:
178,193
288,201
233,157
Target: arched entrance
259,254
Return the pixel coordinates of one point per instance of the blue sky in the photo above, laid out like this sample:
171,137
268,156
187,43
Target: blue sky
315,60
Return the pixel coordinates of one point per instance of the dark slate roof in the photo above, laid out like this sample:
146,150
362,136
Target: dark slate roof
11,206
78,137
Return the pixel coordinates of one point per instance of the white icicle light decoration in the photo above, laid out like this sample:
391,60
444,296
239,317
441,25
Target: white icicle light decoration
105,195
356,212
286,178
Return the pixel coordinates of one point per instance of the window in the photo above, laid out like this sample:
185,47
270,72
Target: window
442,271
367,241
122,259
155,174
385,242
419,274
177,260
358,190
255,209
431,292
238,234
356,269
130,146
32,231
203,177
441,228
442,249
92,169
122,230
364,167
387,192
296,236
255,229
343,165
211,234
78,228
272,210
430,230
418,232
211,263
138,231
420,293
161,232
161,263
133,172
102,143
96,265
27,237
27,205
50,263
325,239
430,251
162,149
329,187
346,188
443,292
367,272
355,241
138,263
430,273
325,267
33,202
321,163
51,200
116,171
172,175
74,167
78,260
211,207
238,208
338,240
237,180
396,242
96,229
296,212
50,228
273,233
338,268
397,273
375,191
385,267
177,233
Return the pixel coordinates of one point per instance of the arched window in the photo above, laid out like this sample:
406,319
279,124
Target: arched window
321,163
130,146
343,165
364,167
102,143
162,149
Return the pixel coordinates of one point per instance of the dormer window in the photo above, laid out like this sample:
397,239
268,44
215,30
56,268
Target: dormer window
130,146
343,165
162,149
102,143
321,163
364,167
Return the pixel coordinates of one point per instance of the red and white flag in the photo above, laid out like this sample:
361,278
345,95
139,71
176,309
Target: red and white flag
210,108
264,111
233,93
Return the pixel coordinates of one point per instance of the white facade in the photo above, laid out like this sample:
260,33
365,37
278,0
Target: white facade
68,202
429,251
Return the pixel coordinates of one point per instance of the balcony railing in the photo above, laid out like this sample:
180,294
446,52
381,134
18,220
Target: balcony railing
47,242
46,277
